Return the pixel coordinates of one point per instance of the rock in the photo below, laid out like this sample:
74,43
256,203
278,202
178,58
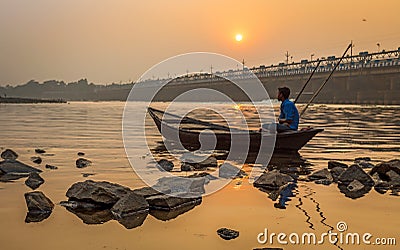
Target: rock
355,186
40,151
272,180
36,159
81,154
9,154
382,169
83,163
12,177
48,166
321,174
87,174
325,182
168,202
16,167
37,202
333,164
362,159
208,177
355,172
394,178
101,192
365,164
227,234
199,162
129,205
336,172
34,180
228,171
149,191
181,184
268,248
186,167
165,165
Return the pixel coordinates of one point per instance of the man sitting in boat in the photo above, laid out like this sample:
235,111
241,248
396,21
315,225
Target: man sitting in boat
289,116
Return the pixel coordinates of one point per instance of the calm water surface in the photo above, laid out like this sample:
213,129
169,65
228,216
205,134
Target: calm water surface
95,128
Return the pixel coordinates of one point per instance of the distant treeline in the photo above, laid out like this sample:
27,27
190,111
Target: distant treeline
81,90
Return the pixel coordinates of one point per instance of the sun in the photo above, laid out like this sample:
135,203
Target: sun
239,37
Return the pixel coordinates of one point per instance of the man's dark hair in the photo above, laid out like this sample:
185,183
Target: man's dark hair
285,91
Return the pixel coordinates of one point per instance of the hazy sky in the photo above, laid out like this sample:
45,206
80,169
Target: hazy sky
111,41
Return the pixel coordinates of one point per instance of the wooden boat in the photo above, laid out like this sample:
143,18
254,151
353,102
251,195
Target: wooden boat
188,130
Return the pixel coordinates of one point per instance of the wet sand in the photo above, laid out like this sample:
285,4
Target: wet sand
94,128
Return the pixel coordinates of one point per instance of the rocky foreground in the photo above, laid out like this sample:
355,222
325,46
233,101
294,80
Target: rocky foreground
96,202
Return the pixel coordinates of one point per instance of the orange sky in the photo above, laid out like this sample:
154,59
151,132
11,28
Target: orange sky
112,41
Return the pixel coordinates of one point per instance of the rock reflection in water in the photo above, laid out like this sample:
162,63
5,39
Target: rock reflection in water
36,217
101,216
166,215
349,192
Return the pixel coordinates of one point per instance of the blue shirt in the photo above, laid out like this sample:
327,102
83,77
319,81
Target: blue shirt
290,112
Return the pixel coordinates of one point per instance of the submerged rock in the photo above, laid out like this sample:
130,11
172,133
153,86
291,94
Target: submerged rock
130,204
92,216
16,167
36,217
227,234
133,220
333,164
165,165
365,164
186,167
81,154
82,163
167,202
272,180
40,151
37,202
9,154
362,159
48,166
208,177
101,192
34,181
228,171
36,159
199,162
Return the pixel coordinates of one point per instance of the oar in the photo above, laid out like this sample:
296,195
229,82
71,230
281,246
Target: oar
327,79
305,85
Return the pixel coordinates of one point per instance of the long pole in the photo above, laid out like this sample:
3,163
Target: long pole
327,79
305,85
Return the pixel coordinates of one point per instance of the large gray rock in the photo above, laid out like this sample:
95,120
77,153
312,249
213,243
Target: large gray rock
167,202
383,168
16,167
181,184
166,165
34,180
82,163
272,180
130,204
199,162
9,154
355,172
37,202
102,192
228,171
333,164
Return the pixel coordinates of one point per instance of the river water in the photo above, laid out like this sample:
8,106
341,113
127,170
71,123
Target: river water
94,128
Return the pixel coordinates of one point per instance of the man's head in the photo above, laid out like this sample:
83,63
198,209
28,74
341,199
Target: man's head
283,93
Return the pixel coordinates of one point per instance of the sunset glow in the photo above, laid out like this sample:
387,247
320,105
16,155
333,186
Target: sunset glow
239,37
